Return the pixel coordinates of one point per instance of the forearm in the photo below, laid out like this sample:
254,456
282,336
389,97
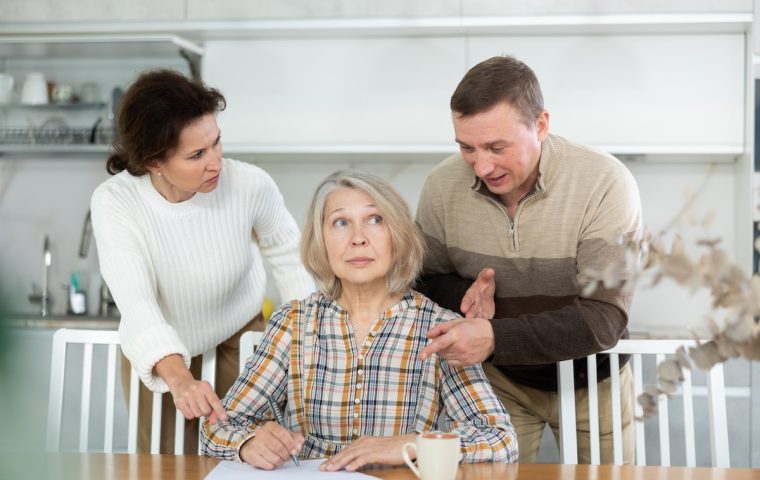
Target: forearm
172,370
574,331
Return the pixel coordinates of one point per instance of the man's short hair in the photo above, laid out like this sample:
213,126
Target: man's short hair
496,80
407,244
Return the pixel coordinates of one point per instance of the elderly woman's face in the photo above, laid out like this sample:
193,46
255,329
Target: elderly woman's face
358,241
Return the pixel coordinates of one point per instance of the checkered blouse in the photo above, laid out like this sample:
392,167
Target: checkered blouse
337,391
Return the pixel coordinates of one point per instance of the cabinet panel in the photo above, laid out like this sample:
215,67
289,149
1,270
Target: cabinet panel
637,89
88,10
595,7
269,9
335,91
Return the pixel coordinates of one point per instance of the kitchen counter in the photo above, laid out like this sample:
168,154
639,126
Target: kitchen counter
61,321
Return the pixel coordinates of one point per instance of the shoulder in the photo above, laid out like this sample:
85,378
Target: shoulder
431,310
121,188
587,160
245,177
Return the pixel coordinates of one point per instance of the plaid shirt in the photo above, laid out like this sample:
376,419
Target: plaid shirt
337,391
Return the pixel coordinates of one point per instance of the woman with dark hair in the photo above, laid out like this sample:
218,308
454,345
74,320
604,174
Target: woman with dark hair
181,233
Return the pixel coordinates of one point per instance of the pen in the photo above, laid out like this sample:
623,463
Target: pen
281,421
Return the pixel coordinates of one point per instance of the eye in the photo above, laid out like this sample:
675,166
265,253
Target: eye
197,155
375,220
340,222
465,148
497,149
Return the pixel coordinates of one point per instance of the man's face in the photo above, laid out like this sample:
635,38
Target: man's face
502,149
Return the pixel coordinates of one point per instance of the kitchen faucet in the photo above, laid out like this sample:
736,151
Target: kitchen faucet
44,296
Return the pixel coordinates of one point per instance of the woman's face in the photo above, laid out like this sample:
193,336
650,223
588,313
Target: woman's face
194,166
357,239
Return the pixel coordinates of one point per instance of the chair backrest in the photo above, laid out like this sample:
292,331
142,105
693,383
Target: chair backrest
109,338
637,348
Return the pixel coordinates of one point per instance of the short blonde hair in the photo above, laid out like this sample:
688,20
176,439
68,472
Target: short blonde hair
406,241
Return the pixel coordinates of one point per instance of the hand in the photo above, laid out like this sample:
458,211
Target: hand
192,397
462,342
478,300
196,398
366,450
271,447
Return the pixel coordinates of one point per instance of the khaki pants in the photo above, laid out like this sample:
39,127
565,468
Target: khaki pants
531,409
227,371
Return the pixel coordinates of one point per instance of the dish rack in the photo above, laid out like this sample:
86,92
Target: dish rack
56,136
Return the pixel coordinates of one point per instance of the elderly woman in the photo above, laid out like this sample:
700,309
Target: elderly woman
346,360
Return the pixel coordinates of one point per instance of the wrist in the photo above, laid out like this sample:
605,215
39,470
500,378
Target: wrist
173,371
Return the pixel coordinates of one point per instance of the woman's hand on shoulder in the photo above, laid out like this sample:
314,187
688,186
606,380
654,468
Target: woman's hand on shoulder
367,450
272,446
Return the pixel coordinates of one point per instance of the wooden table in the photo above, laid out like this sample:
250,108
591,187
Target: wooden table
92,466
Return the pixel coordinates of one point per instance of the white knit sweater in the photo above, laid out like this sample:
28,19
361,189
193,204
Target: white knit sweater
186,276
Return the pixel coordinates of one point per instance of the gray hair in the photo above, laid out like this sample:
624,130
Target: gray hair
407,244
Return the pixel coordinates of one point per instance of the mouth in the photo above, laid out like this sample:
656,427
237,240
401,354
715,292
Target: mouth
496,180
360,261
211,180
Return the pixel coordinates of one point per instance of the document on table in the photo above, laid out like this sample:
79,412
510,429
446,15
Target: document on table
229,470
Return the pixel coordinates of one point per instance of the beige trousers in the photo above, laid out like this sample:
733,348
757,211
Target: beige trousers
227,371
531,409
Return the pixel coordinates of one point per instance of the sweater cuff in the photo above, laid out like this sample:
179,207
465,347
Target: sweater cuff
506,340
148,348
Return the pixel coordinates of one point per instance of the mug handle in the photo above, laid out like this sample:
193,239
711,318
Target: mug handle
407,460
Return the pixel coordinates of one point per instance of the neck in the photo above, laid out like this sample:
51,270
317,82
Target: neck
366,303
167,190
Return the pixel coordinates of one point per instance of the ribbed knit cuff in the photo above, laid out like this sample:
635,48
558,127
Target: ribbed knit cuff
148,348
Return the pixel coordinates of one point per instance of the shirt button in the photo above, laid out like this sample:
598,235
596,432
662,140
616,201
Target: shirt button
373,333
360,371
361,357
357,401
356,432
356,415
358,386
367,343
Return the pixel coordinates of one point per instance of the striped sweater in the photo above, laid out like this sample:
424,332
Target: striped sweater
583,201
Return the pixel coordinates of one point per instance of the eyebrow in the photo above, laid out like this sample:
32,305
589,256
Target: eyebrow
339,209
487,145
193,152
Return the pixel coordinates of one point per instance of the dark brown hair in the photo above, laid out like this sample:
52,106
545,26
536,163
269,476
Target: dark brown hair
496,80
152,114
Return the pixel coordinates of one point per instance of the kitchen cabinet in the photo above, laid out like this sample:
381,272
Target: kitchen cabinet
102,63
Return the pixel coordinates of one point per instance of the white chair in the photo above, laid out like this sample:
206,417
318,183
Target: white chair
636,348
109,338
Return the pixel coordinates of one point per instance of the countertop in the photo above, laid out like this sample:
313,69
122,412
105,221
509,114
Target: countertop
60,321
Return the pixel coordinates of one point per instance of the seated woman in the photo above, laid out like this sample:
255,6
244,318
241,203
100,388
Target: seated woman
346,360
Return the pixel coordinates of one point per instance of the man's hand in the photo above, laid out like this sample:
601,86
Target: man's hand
462,342
366,450
478,300
272,446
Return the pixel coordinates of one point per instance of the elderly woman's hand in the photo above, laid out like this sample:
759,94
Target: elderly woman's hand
366,450
272,446
478,301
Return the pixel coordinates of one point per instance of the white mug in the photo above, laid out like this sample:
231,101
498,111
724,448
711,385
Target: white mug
437,455
35,90
6,87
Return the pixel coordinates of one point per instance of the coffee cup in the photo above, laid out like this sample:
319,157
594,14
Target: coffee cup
6,87
437,455
35,89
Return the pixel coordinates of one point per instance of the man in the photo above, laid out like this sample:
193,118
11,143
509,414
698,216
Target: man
525,213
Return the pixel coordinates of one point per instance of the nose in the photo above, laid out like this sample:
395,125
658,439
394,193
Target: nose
215,162
481,165
358,238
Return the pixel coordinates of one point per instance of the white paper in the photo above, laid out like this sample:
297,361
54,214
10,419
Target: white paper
229,470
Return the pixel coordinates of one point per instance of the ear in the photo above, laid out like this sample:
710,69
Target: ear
542,125
154,167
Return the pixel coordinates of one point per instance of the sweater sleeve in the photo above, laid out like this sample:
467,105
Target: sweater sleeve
279,238
144,334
